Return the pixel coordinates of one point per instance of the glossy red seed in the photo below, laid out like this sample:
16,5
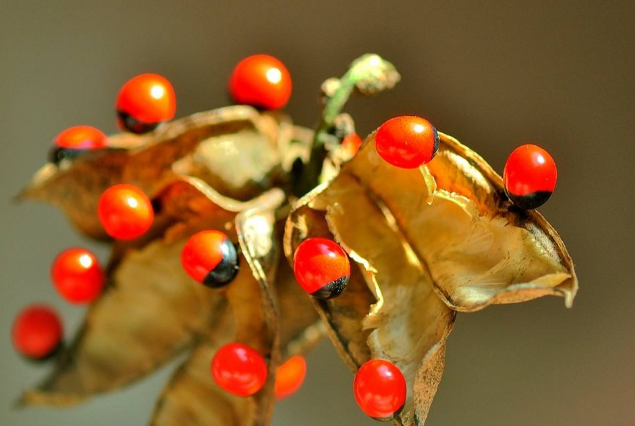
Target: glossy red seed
530,176
239,369
380,389
75,141
210,258
262,81
37,332
351,145
125,212
407,141
321,267
148,99
290,377
77,275
81,137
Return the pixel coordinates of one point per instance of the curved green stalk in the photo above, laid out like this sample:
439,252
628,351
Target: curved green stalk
369,74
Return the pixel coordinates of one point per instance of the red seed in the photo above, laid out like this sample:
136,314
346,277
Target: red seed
37,332
81,137
380,389
76,140
351,145
239,369
125,212
407,141
77,275
210,258
530,176
321,267
145,101
290,376
262,81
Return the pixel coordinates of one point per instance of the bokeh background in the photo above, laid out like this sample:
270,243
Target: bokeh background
492,73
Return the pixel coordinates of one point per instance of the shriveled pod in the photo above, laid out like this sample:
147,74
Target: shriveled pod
200,172
237,150
113,350
425,243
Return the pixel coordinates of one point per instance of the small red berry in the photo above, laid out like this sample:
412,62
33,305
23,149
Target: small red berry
77,275
239,369
262,81
210,258
380,389
75,140
530,176
125,212
144,102
407,141
290,376
321,268
351,144
37,332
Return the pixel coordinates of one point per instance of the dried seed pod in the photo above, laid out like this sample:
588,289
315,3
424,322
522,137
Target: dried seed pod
190,391
449,243
140,341
191,396
112,349
233,149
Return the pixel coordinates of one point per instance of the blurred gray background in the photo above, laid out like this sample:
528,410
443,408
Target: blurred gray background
492,73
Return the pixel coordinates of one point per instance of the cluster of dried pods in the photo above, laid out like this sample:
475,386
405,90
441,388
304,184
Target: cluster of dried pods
263,212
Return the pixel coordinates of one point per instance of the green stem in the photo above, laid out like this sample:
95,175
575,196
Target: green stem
370,74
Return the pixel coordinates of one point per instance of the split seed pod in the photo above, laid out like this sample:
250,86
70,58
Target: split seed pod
447,241
450,242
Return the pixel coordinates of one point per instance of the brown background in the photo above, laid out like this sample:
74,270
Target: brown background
492,73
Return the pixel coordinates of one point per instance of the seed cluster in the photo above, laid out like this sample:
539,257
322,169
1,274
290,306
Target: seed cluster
322,268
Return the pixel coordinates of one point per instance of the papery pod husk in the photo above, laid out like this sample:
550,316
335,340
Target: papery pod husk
424,243
240,152
192,397
237,150
166,312
459,170
300,326
254,322
164,308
